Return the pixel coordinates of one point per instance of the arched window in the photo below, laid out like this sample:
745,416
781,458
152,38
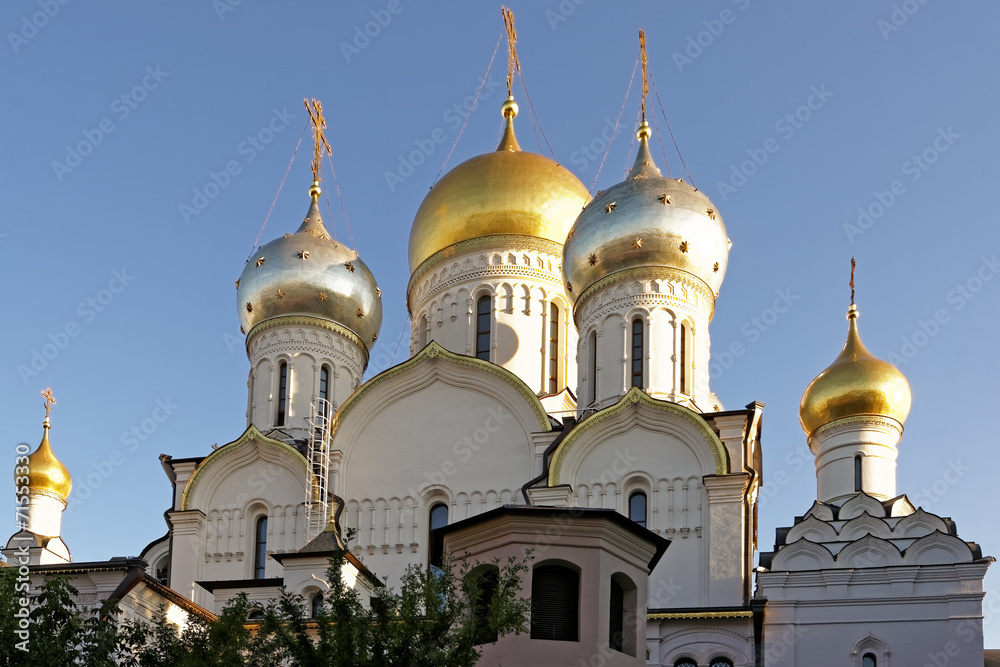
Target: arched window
255,615
637,342
422,333
869,660
685,662
324,389
857,472
315,605
555,603
616,622
438,519
685,379
260,548
637,507
722,662
486,585
593,366
553,348
282,394
483,326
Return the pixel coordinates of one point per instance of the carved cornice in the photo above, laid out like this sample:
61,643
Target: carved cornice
698,615
250,435
871,421
634,396
498,242
645,274
305,320
432,351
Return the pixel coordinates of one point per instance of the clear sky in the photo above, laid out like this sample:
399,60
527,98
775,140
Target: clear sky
122,234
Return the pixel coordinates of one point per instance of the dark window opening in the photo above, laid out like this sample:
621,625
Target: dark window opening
487,584
553,348
438,519
617,620
637,380
315,605
555,603
282,394
869,660
722,662
483,327
593,367
684,364
260,548
857,473
637,508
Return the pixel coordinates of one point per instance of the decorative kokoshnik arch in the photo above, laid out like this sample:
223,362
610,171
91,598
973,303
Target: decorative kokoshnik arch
638,398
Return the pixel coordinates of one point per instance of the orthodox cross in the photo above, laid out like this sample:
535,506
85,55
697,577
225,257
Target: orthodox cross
50,400
320,144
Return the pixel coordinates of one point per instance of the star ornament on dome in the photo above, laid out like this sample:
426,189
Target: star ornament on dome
711,213
374,337
592,259
260,260
360,313
249,307
715,268
322,296
281,293
684,246
304,254
664,199
349,266
610,207
638,244
237,283
378,292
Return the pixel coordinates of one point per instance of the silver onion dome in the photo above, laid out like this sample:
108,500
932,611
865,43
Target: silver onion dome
309,274
647,221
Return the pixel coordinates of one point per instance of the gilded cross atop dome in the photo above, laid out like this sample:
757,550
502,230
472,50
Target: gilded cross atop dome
320,145
50,400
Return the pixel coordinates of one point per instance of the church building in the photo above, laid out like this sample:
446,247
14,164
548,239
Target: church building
556,399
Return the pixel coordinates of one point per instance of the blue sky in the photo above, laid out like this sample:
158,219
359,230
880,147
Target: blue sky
117,118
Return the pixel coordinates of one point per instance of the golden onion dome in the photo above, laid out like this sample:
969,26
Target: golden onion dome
508,191
46,473
647,221
309,274
856,383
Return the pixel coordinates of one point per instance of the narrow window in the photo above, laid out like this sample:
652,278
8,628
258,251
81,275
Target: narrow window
260,548
553,348
282,394
438,519
487,584
315,605
555,603
422,333
857,472
593,366
324,390
684,353
869,660
637,353
483,325
637,508
616,622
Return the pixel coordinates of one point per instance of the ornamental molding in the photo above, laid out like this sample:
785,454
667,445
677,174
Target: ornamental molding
250,436
270,350
650,300
496,242
887,424
633,397
305,320
645,274
433,351
490,274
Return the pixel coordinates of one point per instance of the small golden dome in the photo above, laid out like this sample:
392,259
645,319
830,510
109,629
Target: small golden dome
46,473
856,383
508,191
